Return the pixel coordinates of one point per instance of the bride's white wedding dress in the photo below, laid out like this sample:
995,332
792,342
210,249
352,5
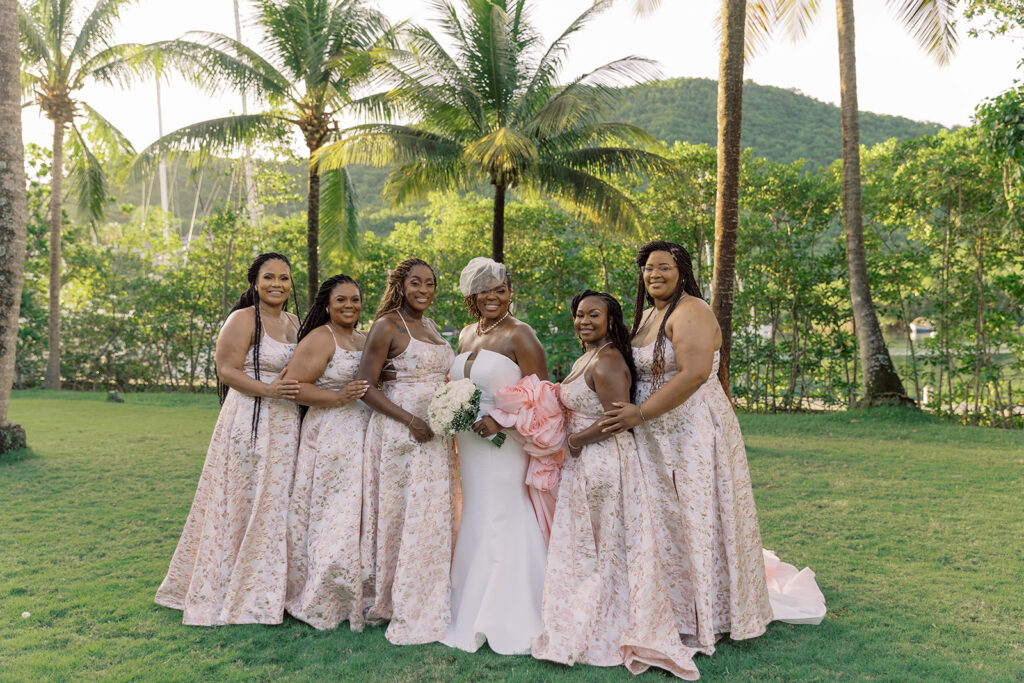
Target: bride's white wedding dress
498,566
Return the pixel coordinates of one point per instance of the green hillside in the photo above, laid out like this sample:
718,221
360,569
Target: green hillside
781,125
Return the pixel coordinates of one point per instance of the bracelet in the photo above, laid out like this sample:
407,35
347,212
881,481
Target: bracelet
640,407
569,443
409,423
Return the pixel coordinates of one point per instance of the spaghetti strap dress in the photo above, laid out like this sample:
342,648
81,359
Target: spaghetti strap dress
325,574
410,491
605,599
696,468
230,566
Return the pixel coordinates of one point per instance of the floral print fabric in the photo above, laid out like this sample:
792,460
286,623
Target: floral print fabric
230,563
410,492
325,575
696,471
605,598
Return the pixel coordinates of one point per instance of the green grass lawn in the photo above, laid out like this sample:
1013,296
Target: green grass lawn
914,528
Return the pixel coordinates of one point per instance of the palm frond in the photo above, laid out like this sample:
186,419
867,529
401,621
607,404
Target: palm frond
617,160
932,23
86,180
382,144
216,136
502,153
120,65
33,39
338,224
589,97
98,28
115,143
795,17
215,70
550,64
415,181
597,199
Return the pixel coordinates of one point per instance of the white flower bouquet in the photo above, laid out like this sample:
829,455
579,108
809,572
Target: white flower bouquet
455,408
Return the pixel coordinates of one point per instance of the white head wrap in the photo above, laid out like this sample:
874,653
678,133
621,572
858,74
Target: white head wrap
481,274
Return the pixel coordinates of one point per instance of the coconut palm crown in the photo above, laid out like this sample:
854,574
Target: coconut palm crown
314,57
56,63
490,109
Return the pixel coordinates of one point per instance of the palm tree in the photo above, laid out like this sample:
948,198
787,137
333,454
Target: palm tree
316,54
56,64
931,22
12,216
744,30
492,111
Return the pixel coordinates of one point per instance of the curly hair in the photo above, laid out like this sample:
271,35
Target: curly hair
470,300
393,297
687,284
250,297
617,332
318,314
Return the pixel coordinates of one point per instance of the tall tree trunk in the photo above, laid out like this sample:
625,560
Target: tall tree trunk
12,216
727,195
251,205
498,232
52,379
880,378
313,235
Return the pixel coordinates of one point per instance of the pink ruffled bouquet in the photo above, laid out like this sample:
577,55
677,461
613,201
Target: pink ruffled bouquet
531,408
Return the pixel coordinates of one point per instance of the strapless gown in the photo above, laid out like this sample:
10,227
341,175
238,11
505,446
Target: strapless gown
498,566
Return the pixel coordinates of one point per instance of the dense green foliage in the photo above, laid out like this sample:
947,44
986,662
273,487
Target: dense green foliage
911,525
142,312
778,124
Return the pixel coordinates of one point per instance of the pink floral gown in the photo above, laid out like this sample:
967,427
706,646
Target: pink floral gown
230,565
696,469
605,597
325,575
410,492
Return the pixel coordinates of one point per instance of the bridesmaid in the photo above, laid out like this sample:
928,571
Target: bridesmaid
325,577
409,485
692,451
605,595
230,563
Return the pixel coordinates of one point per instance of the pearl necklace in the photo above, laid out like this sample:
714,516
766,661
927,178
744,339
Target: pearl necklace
479,325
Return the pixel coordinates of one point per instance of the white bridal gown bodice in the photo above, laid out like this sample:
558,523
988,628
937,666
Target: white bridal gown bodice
498,566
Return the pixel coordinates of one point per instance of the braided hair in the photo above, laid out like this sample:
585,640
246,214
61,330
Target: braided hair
686,284
393,296
617,333
250,298
318,314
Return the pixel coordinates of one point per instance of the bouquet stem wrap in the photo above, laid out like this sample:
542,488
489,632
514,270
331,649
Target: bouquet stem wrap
531,409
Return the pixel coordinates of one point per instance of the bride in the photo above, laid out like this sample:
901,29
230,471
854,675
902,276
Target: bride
498,566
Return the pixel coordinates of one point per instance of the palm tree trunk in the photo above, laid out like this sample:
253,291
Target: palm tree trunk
727,196
313,235
498,232
52,378
12,217
880,378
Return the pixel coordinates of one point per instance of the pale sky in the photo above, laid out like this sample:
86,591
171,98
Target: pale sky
894,76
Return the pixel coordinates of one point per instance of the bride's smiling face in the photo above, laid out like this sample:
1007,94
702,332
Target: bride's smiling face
494,302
